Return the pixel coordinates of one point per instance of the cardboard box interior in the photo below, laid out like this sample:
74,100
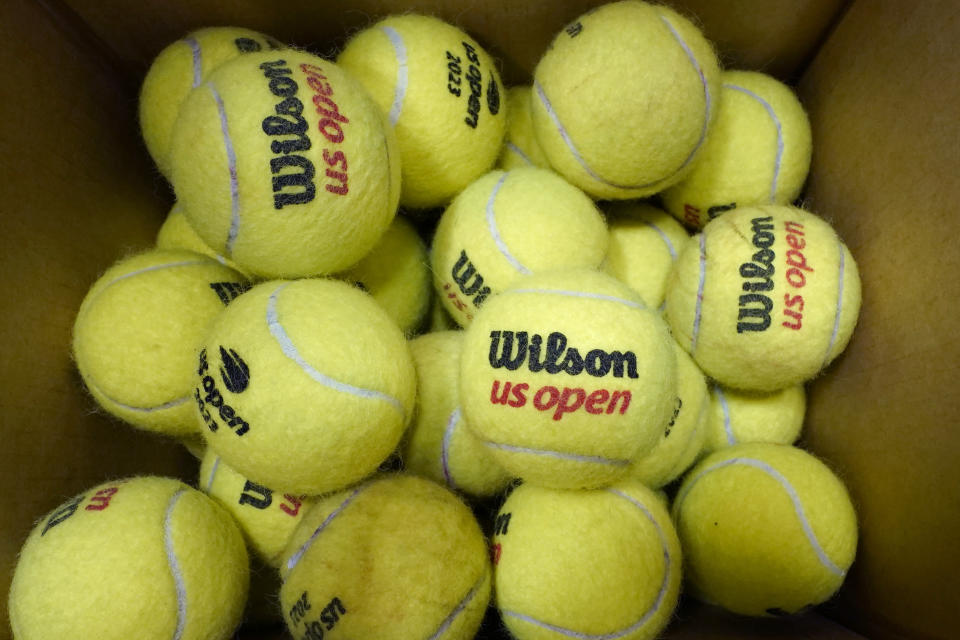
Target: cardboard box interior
880,80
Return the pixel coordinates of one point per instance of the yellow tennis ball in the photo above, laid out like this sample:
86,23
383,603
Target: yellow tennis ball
683,439
440,320
737,416
438,443
520,146
764,298
442,93
176,233
644,243
180,67
766,529
266,517
509,224
136,336
586,564
304,386
396,273
396,557
567,378
145,557
758,151
623,99
283,163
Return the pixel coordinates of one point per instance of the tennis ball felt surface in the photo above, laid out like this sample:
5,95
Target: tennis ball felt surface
176,233
509,224
644,243
766,529
284,164
438,444
587,564
737,417
180,67
396,273
623,99
138,330
139,558
304,386
567,378
520,146
266,517
444,98
764,298
396,557
758,151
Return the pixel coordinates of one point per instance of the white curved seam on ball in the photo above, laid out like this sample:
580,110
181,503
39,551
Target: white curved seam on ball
213,473
575,457
457,610
232,167
495,231
583,294
836,318
698,310
174,564
791,493
197,54
156,267
776,122
128,407
445,447
666,240
290,350
293,560
400,89
654,607
727,427
517,150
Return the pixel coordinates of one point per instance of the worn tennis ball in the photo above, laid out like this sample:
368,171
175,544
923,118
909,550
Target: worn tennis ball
143,558
396,557
396,273
644,243
438,444
685,434
509,224
764,298
442,93
284,164
266,517
440,320
604,563
138,330
567,377
623,99
767,529
737,416
304,386
520,146
758,151
180,67
176,233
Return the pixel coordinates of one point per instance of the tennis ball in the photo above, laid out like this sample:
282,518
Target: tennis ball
136,335
180,67
440,320
145,557
567,378
644,243
682,441
508,224
176,233
283,163
396,273
758,151
443,96
766,529
266,517
520,146
586,564
737,416
396,557
304,386
764,298
438,444
623,99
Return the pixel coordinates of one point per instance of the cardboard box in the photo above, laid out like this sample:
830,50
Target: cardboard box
881,80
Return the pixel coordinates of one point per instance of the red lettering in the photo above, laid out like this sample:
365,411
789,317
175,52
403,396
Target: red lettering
329,126
797,259
563,406
793,227
691,215
538,398
795,278
598,397
294,507
101,499
617,395
340,189
519,399
502,398
331,130
495,552
795,242
793,325
793,301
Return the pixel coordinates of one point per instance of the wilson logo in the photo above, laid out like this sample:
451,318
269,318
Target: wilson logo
234,372
511,349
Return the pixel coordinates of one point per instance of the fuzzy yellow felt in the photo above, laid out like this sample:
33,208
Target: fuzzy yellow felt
737,416
520,146
176,233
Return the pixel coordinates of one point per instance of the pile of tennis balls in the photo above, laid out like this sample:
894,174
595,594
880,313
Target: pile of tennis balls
626,394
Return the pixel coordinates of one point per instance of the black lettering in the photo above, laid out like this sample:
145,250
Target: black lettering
256,495
302,180
762,314
501,349
63,513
